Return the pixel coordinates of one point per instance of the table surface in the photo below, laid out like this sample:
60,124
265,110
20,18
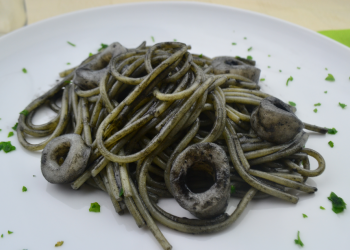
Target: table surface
313,14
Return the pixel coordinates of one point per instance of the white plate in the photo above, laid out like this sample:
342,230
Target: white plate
49,213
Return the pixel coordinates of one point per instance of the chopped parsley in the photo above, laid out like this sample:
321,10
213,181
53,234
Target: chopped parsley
6,146
15,127
200,56
330,78
175,40
342,105
298,241
331,144
322,208
95,207
249,49
332,131
10,134
234,43
315,110
59,243
103,46
152,38
68,63
292,104
245,38
90,54
326,92
24,189
71,44
24,112
289,80
280,70
268,66
24,70
2,236
317,104
9,232
304,215
249,57
262,79
325,68
233,189
121,192
338,205
298,67
34,175
269,55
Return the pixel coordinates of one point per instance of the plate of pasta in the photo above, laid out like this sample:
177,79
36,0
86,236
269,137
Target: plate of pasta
172,126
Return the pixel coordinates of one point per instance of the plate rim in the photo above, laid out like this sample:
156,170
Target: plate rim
200,4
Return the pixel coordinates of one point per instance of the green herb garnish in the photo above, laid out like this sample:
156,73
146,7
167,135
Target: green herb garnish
331,144
6,146
90,54
234,43
249,49
269,55
342,105
34,175
268,66
298,241
103,46
175,40
121,192
332,131
24,70
68,63
304,215
317,104
245,38
15,127
24,112
10,134
24,189
59,243
71,44
322,208
249,57
330,78
338,205
2,236
315,110
200,56
289,80
280,70
326,92
292,104
95,207
233,189
298,67
152,38
262,79
325,68
9,232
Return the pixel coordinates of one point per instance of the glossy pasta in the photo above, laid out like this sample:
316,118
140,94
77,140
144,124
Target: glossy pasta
141,111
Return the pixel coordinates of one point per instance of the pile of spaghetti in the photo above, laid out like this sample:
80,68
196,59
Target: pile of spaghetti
152,122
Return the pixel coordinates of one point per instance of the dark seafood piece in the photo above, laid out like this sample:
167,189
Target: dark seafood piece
232,65
274,121
87,76
208,163
64,158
